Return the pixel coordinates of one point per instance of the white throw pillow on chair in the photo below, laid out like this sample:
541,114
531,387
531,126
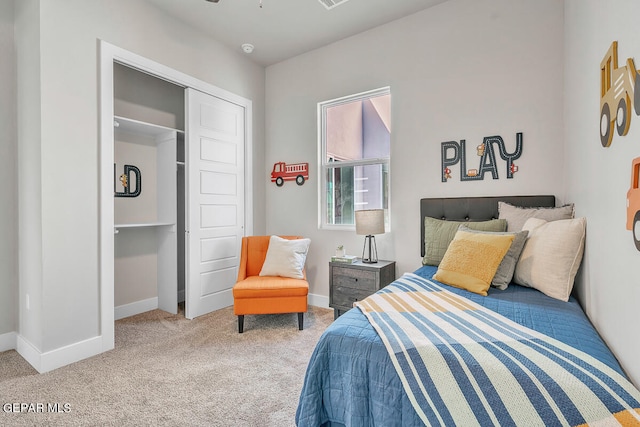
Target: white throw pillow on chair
285,257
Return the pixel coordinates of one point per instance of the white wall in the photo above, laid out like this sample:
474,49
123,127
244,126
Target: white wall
29,248
8,171
598,178
464,69
69,31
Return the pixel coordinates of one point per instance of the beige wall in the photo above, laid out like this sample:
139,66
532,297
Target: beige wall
598,178
66,61
8,174
464,69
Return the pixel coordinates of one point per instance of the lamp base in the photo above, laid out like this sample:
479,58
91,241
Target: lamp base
371,251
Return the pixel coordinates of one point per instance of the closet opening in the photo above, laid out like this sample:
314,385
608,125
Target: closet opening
175,189
149,193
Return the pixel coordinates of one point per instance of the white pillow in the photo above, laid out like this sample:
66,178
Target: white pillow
285,257
551,256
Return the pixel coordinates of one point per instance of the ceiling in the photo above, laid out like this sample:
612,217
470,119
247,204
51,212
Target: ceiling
282,29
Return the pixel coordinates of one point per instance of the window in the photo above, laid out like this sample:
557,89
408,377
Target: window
354,151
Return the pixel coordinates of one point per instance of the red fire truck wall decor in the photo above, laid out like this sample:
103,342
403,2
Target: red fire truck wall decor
617,87
289,172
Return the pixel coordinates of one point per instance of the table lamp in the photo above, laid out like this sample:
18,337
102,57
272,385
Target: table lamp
368,223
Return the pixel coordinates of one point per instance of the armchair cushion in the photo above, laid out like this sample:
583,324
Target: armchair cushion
270,287
285,257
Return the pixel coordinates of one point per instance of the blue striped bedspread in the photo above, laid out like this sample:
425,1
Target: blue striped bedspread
463,364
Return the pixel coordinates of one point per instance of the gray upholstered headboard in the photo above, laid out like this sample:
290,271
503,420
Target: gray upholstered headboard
473,208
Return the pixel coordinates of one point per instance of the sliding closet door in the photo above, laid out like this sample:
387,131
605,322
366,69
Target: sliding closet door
215,200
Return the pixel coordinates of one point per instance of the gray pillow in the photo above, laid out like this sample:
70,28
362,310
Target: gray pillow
507,267
517,216
439,233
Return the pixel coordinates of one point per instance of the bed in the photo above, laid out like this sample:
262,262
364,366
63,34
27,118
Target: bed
352,378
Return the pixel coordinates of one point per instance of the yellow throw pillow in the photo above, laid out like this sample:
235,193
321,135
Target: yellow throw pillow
472,260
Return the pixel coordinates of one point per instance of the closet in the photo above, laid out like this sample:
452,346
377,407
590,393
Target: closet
178,192
149,193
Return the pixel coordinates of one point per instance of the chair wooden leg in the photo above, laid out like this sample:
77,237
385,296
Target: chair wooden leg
300,321
240,323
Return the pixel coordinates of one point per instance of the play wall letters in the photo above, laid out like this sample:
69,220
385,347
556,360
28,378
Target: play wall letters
454,152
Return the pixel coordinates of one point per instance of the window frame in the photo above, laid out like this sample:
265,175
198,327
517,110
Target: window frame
324,165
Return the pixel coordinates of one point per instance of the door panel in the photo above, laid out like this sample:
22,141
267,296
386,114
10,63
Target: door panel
215,226
218,183
214,216
218,248
215,281
219,151
219,119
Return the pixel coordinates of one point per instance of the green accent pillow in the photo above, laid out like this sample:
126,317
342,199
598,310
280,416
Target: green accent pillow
472,260
439,233
508,265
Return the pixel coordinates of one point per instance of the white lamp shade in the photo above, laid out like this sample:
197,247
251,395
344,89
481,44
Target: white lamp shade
369,222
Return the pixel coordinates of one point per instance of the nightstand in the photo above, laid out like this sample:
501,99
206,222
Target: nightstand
353,282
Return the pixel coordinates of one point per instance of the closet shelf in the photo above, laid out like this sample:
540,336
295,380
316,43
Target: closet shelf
117,227
136,126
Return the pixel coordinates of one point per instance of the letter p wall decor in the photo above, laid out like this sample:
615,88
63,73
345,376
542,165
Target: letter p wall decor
125,181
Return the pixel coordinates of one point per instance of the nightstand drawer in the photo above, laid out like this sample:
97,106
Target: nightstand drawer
355,279
353,282
345,297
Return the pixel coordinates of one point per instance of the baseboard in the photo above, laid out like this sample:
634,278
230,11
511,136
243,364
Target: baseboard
126,310
8,341
318,300
54,359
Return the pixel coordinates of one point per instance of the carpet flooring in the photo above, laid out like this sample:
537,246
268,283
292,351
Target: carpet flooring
166,370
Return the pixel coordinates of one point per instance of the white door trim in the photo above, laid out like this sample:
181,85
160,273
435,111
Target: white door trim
108,54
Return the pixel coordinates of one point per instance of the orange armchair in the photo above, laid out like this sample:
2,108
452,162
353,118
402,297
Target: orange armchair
255,294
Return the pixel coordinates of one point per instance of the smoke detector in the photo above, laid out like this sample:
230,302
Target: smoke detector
247,47
330,4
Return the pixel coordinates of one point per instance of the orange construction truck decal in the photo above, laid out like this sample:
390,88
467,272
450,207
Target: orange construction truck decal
619,90
633,202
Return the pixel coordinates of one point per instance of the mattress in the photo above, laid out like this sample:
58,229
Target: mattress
351,381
